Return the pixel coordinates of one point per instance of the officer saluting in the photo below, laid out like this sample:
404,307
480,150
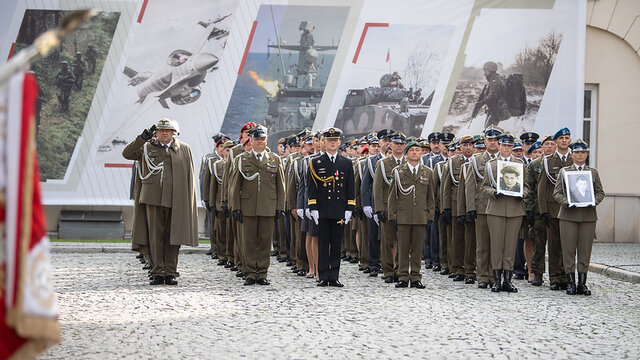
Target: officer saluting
331,199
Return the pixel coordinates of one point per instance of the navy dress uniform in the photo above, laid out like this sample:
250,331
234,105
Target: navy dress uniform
331,199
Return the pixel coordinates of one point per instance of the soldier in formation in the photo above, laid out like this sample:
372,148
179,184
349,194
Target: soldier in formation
385,202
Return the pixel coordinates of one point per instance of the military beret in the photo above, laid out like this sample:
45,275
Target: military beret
410,145
248,126
562,132
536,145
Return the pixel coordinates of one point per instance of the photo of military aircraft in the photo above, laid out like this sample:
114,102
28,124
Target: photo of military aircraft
185,70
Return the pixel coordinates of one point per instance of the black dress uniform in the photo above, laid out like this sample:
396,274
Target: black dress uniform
330,192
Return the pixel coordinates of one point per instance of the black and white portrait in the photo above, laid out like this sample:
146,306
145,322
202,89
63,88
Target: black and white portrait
510,178
579,188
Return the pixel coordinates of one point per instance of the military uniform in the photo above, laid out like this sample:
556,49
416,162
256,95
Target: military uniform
373,229
298,239
79,68
492,96
205,182
168,192
219,243
257,195
381,186
504,217
577,224
92,56
547,180
64,82
411,205
331,200
363,238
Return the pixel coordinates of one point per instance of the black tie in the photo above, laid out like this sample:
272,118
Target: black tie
563,158
579,168
258,156
332,159
397,162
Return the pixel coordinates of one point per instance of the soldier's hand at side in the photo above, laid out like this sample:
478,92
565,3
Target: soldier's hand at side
395,224
429,223
307,213
300,213
225,209
446,216
214,210
206,205
315,216
368,211
278,215
496,194
237,215
347,216
547,219
531,217
460,219
382,216
472,215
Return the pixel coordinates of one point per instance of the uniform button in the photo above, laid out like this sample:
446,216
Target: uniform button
329,197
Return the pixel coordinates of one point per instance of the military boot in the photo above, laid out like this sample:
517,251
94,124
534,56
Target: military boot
497,274
537,280
506,284
571,284
582,286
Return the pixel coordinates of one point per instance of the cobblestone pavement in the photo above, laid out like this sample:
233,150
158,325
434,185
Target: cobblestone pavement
624,256
108,311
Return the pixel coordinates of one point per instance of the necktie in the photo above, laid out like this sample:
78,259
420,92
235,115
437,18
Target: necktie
166,148
579,168
332,159
563,158
397,162
258,156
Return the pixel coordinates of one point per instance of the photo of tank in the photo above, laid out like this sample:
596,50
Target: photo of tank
393,81
283,80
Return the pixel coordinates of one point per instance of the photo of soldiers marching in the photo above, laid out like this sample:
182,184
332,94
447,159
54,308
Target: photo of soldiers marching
389,204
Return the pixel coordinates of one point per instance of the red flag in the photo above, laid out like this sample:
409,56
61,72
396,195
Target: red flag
28,308
388,54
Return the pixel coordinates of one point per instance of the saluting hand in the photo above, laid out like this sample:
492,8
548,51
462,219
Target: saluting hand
147,134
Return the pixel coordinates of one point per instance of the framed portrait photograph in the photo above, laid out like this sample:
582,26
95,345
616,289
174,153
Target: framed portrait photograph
579,188
510,178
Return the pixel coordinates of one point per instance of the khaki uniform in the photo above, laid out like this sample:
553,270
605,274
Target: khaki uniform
547,179
504,217
205,179
477,200
381,185
170,199
449,188
411,203
442,227
577,225
298,244
469,226
257,190
235,235
537,232
215,199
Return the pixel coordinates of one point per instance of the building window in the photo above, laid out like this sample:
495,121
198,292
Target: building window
590,115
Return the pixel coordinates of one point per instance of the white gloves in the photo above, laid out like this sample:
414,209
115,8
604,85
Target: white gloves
300,213
307,213
315,216
368,211
375,218
347,216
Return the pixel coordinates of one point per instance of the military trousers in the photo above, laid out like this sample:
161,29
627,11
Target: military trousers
294,241
539,239
221,236
238,246
457,248
164,256
209,231
284,240
388,239
434,240
230,249
442,239
483,250
556,268
301,257
469,250
256,238
576,237
503,233
373,237
410,241
330,234
363,238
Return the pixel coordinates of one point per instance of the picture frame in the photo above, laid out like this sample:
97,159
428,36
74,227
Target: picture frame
510,180
579,188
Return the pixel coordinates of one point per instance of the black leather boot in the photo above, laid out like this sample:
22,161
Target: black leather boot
537,280
506,284
497,275
571,284
582,284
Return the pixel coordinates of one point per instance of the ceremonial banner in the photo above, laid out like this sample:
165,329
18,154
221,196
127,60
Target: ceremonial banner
28,310
361,65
